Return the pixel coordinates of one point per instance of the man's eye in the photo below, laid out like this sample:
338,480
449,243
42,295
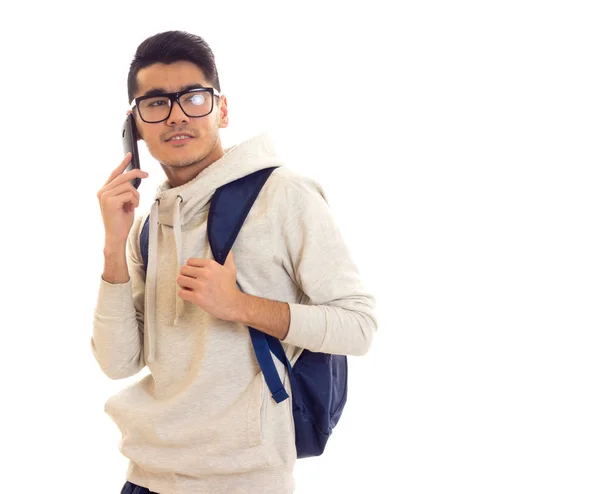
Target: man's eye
196,99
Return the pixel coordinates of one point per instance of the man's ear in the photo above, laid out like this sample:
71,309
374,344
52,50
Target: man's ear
224,112
138,135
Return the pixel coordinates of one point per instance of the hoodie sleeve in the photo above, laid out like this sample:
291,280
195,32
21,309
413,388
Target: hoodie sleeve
339,315
118,330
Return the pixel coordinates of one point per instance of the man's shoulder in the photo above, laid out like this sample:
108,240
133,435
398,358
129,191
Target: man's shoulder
285,183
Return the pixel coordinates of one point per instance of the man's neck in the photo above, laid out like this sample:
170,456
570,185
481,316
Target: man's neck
178,176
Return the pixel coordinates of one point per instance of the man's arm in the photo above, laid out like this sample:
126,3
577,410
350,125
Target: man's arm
118,337
337,314
115,264
269,316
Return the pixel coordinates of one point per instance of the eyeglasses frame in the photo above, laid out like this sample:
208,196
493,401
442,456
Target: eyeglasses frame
174,98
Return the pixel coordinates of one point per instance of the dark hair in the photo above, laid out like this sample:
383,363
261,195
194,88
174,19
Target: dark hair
169,47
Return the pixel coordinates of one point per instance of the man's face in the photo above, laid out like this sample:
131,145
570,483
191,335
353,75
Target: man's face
204,144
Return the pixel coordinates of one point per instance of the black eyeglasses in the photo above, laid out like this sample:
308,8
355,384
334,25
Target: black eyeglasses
195,103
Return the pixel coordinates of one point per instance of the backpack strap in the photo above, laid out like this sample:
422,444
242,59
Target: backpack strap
229,208
144,239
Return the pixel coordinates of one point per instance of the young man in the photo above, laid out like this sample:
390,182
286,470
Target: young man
203,420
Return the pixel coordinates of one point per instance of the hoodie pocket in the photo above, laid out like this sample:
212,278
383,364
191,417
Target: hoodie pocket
256,411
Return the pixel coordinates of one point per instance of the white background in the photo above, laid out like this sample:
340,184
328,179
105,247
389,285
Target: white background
458,145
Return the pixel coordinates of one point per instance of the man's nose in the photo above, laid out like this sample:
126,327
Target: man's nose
177,114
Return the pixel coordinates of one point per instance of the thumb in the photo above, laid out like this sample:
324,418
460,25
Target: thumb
230,262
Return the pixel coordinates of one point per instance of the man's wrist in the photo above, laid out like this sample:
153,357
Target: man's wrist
269,316
240,309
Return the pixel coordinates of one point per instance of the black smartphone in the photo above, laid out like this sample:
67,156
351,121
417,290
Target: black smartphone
129,137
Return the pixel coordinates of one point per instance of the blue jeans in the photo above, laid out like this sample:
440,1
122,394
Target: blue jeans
130,488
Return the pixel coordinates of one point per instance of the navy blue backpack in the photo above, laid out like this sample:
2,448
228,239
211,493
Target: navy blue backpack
319,381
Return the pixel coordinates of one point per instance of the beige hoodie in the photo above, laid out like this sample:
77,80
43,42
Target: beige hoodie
203,420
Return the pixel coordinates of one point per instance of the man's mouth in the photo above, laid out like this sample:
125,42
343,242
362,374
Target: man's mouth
180,137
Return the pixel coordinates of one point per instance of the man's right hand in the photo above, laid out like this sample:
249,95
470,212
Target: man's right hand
118,200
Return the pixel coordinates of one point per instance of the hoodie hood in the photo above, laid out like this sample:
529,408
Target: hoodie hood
175,206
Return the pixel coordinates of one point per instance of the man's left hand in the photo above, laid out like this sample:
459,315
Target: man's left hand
211,286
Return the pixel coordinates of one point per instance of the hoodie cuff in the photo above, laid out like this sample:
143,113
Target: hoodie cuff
115,299
307,327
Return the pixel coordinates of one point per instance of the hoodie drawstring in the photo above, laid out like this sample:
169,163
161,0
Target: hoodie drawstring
151,272
151,280
178,246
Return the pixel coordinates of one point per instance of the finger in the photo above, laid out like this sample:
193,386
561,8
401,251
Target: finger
198,262
187,282
125,178
119,169
125,195
190,271
130,175
128,198
117,202
186,295
114,191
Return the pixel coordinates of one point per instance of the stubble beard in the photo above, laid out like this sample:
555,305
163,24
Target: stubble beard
198,158
194,160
